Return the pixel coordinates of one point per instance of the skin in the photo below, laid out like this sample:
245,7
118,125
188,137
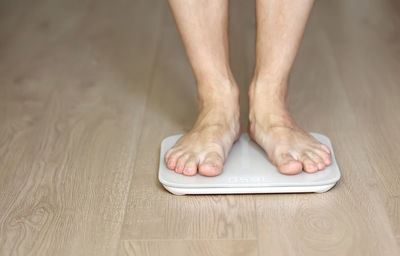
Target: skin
204,149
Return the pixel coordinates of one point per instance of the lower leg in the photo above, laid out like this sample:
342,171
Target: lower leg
280,26
203,28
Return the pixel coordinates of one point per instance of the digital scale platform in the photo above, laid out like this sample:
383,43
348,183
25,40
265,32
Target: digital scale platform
247,171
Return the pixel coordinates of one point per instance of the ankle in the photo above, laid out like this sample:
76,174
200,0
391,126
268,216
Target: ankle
220,81
268,95
269,106
268,85
271,118
271,79
218,91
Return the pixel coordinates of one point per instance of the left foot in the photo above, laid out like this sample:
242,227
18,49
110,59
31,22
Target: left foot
271,126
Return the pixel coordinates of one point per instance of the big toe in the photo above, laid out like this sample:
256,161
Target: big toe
291,167
212,165
288,165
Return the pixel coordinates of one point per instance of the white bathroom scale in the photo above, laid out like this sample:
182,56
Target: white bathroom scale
247,170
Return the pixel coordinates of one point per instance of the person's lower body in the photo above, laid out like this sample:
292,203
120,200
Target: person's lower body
203,28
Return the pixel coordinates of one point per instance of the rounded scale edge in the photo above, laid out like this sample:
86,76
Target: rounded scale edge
254,190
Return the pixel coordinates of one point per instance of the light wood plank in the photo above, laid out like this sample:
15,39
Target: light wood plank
189,247
73,95
375,93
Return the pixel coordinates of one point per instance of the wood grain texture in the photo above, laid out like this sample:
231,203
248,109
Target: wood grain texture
189,247
69,123
88,89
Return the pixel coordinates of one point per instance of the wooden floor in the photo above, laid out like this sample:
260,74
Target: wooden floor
89,88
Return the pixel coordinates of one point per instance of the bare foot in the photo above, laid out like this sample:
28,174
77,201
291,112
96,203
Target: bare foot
204,149
271,126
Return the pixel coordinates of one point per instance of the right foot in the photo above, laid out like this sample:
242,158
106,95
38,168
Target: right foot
205,147
271,126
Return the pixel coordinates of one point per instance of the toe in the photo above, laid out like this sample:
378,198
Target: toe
211,165
180,165
288,165
168,154
308,164
190,168
291,167
326,157
172,160
210,169
317,159
325,148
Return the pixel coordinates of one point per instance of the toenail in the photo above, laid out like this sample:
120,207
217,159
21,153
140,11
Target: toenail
312,168
187,171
